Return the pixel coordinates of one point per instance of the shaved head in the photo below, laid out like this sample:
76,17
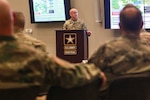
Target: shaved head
6,18
73,10
74,14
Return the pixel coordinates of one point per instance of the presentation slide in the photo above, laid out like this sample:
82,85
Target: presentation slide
49,10
117,5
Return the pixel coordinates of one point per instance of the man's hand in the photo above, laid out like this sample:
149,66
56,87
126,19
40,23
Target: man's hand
104,79
89,33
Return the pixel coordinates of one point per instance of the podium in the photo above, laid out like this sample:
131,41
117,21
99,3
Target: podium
72,45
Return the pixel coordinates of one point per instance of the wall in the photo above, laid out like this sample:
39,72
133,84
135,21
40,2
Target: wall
46,32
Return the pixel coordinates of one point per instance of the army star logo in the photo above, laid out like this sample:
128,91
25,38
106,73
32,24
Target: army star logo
69,38
70,41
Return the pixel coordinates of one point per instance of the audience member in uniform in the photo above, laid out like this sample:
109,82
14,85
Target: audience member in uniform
19,24
126,54
20,63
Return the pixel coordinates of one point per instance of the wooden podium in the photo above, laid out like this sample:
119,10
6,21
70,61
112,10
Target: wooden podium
72,45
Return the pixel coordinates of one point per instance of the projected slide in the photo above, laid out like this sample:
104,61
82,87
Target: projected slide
49,10
117,5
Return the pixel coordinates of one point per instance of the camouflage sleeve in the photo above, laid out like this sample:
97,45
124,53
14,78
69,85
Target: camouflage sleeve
84,26
40,45
67,75
65,26
98,57
145,38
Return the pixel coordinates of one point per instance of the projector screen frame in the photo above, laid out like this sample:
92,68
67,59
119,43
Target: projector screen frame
67,7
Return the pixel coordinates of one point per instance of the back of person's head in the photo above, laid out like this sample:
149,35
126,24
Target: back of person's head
131,19
19,21
6,18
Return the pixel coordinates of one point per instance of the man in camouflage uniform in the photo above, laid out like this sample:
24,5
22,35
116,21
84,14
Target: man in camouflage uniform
23,37
22,64
126,54
74,23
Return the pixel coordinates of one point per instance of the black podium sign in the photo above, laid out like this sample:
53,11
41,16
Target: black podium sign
72,45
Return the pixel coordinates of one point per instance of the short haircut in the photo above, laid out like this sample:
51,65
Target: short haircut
19,19
131,22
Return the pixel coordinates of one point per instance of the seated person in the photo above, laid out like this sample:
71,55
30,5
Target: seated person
126,54
23,37
23,64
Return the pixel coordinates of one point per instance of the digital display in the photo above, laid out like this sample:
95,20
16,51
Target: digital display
113,8
49,10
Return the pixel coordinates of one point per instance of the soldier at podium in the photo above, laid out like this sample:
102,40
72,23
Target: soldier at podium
74,23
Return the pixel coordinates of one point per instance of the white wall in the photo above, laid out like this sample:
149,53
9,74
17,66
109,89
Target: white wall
46,32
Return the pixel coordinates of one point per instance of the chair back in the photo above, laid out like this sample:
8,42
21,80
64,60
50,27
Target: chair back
86,92
130,87
19,93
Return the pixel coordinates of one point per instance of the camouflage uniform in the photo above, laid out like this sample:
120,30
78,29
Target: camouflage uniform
121,56
145,37
24,38
74,25
125,55
20,63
